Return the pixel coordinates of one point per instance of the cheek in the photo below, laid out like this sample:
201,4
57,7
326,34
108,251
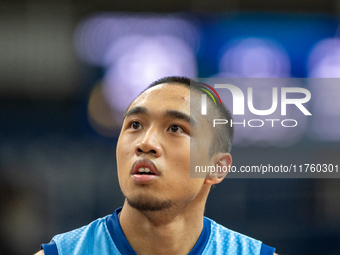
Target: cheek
190,188
124,147
122,153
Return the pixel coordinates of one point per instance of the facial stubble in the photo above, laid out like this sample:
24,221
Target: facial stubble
148,203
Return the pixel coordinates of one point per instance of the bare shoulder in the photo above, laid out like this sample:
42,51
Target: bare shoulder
274,254
41,252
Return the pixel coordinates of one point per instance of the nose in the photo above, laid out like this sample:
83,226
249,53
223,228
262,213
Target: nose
149,144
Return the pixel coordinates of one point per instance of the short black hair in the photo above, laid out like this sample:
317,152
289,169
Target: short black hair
223,137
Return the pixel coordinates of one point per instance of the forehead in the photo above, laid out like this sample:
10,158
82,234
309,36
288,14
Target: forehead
165,95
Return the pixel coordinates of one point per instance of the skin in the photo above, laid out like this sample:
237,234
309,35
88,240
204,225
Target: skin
165,140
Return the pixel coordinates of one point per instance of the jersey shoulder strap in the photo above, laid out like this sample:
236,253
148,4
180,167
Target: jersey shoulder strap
227,242
91,239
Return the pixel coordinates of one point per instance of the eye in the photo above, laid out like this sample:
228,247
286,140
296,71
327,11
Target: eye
175,129
135,125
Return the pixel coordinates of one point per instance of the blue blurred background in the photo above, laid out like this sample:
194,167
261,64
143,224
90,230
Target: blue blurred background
68,70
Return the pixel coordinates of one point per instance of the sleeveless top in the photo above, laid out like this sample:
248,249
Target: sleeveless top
105,236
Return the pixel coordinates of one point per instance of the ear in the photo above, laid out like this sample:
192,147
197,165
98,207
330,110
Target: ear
222,163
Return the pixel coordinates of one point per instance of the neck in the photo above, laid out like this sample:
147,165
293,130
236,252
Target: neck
170,231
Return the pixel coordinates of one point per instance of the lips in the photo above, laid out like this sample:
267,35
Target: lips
144,170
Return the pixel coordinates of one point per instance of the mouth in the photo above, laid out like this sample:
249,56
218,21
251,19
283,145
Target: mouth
144,170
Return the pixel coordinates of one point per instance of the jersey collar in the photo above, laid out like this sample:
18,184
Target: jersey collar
124,246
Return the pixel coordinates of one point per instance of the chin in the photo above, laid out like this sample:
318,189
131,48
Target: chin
148,203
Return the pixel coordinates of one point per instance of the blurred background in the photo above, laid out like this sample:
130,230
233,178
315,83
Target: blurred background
68,69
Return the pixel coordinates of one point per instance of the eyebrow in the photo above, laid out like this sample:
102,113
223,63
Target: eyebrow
136,110
179,115
169,113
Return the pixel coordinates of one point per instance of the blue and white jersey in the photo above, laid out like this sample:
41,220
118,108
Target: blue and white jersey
105,236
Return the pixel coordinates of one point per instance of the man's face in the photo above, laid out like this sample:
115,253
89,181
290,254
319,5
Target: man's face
153,150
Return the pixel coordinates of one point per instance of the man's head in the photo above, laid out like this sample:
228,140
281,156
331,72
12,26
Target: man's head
153,150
